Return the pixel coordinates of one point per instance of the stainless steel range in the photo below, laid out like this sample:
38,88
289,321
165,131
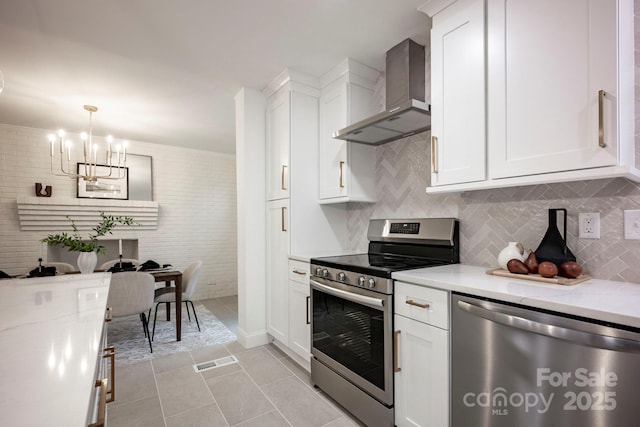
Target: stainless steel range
352,322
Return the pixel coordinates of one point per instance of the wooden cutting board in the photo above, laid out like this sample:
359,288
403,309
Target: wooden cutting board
538,278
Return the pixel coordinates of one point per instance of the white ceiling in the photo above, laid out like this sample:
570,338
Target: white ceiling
166,71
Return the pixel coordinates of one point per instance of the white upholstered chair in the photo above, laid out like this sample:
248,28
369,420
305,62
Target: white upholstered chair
131,292
107,265
167,294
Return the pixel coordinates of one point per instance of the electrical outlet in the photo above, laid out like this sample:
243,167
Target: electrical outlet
589,225
632,225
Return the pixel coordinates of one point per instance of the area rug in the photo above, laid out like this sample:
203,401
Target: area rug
127,335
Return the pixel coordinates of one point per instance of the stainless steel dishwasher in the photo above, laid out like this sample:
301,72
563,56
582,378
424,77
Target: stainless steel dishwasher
513,365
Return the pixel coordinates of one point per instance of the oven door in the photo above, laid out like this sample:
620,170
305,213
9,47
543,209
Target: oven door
352,335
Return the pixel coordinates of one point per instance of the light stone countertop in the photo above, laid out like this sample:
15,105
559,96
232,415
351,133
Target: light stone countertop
50,331
307,257
605,300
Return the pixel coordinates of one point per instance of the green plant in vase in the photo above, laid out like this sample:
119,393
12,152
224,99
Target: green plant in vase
88,247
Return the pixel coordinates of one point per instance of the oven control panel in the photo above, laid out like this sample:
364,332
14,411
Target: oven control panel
351,278
404,228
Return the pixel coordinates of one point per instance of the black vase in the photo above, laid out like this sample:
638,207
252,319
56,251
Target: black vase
553,246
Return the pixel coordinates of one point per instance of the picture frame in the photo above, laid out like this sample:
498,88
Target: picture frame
103,188
140,177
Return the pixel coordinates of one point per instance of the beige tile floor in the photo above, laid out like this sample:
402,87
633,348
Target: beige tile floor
264,389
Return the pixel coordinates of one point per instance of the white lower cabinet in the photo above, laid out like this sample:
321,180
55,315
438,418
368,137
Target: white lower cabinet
421,379
299,315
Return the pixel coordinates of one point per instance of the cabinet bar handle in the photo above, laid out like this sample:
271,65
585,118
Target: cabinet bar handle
300,272
112,376
434,154
282,211
601,94
308,320
107,317
396,345
102,404
282,181
417,304
341,174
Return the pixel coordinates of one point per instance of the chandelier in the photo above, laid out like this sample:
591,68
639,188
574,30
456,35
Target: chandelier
116,170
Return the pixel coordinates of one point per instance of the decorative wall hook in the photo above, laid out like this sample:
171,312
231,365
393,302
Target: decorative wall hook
47,190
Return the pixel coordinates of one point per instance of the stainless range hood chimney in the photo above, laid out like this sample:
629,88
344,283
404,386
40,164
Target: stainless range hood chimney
406,112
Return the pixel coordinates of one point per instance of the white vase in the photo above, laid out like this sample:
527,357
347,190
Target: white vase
87,262
512,251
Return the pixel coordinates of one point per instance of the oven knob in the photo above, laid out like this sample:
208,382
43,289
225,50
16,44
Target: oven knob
341,277
361,281
318,271
325,273
371,283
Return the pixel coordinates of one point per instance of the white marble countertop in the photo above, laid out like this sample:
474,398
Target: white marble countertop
609,301
50,329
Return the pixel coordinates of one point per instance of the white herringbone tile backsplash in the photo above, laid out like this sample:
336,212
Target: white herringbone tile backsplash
491,218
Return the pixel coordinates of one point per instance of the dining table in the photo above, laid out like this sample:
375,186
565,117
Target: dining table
174,276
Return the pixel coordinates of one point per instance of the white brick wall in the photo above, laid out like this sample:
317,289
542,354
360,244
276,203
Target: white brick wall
196,191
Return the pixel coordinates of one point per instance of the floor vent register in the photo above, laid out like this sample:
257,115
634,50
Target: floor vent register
217,363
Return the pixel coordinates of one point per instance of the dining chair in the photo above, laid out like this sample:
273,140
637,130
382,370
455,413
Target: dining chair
61,267
107,265
167,294
132,292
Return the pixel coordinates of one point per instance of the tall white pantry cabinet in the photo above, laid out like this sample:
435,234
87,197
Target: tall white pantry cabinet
296,222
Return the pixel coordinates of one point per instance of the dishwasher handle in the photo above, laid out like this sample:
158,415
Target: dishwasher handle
579,337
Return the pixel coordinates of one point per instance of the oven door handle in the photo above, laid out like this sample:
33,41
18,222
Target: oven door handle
361,299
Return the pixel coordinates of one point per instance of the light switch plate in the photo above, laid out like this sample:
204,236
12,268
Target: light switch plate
632,225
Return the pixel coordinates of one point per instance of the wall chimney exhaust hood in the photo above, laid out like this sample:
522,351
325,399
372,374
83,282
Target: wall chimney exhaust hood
406,111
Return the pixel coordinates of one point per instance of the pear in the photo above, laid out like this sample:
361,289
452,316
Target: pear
532,263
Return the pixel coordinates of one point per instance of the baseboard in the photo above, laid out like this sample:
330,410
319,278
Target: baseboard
255,339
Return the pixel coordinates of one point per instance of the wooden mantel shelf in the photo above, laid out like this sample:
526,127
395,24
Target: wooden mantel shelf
50,214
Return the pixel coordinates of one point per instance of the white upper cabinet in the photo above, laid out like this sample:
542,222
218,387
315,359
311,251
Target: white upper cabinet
548,61
458,118
278,136
558,90
346,169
